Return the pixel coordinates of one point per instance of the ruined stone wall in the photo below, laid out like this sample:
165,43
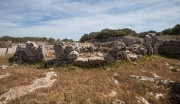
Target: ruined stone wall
128,48
5,44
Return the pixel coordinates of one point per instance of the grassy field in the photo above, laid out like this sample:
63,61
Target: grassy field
101,85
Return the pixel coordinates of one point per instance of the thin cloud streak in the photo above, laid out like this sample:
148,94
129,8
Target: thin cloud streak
65,19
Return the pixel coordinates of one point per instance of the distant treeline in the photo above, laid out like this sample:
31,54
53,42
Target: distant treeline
106,33
171,31
34,39
25,39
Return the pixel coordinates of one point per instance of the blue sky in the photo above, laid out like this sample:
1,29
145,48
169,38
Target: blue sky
72,18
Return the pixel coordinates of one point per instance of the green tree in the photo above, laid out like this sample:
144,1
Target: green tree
51,40
67,40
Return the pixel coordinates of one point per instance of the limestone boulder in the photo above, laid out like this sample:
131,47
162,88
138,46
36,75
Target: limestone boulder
99,54
132,57
76,47
40,52
73,55
5,44
121,55
170,48
128,40
59,51
141,50
81,61
91,48
96,60
118,46
69,48
109,58
30,49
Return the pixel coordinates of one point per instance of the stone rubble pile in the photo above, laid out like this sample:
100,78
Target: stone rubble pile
129,48
5,44
30,52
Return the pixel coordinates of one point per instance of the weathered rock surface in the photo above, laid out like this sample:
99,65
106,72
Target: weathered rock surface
100,54
5,44
81,61
127,40
121,55
141,50
17,92
72,55
31,52
95,53
59,51
96,60
109,58
118,46
40,52
91,48
30,49
133,57
69,48
170,48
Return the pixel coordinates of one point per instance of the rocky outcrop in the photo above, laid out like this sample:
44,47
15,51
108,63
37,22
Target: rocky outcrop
69,48
72,55
170,48
129,48
31,52
150,42
40,52
127,40
59,51
96,60
109,58
81,61
141,50
5,44
30,49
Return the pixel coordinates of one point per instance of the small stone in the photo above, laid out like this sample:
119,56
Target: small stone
118,101
133,57
50,68
4,66
99,54
142,100
113,93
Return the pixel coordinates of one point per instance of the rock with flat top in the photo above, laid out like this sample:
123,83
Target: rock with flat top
96,60
73,55
81,61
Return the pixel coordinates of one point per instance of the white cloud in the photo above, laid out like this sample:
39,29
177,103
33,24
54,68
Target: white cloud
64,19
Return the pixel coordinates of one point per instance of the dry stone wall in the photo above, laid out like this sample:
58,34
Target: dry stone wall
5,44
89,53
